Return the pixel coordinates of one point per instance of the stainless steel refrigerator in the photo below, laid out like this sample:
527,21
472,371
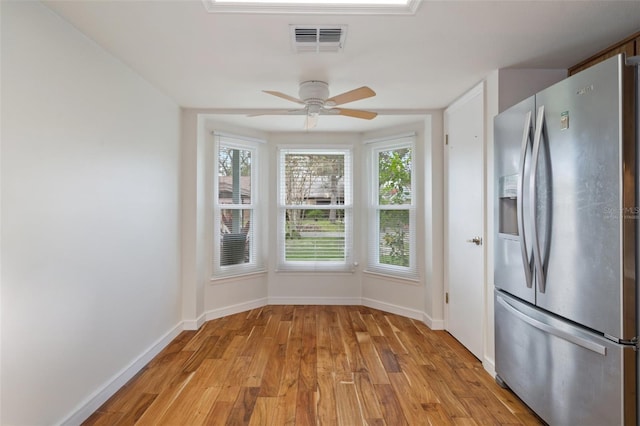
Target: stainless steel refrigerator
566,215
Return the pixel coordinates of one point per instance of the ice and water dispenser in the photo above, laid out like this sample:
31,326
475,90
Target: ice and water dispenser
508,205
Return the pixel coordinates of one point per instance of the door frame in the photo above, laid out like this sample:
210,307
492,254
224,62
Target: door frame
478,90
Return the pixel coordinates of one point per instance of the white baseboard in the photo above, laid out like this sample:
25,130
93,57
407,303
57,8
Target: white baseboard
433,324
194,324
93,402
314,300
235,309
394,309
489,366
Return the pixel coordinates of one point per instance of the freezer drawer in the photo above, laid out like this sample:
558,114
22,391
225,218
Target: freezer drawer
567,375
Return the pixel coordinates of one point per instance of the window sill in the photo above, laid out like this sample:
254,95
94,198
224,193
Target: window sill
315,271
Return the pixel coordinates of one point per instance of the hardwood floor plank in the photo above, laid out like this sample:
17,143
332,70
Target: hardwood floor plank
223,343
180,343
347,404
305,406
316,365
323,350
219,413
371,359
205,350
308,357
273,323
357,323
387,331
201,409
242,409
341,364
369,404
479,412
372,325
104,418
451,404
420,387
391,408
137,410
326,399
436,415
161,404
253,341
188,402
286,406
264,411
387,356
350,343
273,371
156,379
411,406
259,361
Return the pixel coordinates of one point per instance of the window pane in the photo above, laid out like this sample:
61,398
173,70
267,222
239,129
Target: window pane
394,176
234,176
313,179
394,237
235,237
314,235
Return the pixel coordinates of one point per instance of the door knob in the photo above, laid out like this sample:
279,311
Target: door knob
476,240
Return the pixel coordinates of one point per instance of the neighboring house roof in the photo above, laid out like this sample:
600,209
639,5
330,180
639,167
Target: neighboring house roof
225,187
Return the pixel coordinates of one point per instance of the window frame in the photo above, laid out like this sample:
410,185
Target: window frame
345,265
374,265
255,263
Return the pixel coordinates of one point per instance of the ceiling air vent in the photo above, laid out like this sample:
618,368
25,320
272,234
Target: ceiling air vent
317,39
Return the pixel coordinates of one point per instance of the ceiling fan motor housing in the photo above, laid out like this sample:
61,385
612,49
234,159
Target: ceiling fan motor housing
314,92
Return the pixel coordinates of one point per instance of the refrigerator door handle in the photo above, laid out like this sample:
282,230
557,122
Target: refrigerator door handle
537,257
526,261
577,340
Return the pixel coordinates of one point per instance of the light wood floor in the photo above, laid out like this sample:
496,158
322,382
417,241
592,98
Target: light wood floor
308,365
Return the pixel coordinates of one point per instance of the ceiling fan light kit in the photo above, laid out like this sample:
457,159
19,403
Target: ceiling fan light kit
314,95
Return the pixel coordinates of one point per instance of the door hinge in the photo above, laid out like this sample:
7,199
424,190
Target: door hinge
446,298
446,139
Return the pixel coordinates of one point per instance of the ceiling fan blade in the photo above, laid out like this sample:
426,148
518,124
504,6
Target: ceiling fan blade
284,96
357,113
353,95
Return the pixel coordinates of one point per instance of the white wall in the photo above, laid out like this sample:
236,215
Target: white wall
434,220
90,215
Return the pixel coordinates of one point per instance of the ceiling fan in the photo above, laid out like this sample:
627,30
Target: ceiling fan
314,95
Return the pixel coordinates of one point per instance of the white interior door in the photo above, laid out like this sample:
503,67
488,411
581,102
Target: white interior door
464,218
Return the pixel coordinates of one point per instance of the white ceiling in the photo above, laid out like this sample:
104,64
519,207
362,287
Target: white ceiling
223,61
